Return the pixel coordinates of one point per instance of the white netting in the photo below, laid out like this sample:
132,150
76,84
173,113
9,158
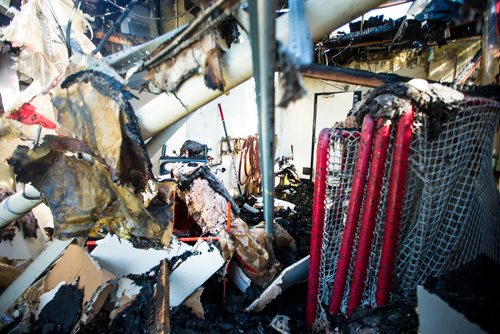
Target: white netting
451,211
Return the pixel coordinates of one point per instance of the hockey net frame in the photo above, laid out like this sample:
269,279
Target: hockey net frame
449,214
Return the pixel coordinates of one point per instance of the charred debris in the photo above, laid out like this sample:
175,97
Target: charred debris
103,230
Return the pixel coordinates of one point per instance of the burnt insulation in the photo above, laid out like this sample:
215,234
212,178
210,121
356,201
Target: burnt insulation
229,31
61,314
135,166
204,172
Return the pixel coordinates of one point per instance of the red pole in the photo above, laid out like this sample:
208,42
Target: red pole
377,167
318,219
358,185
395,201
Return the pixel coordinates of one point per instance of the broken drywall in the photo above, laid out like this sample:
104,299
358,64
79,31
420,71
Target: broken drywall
201,262
76,264
32,272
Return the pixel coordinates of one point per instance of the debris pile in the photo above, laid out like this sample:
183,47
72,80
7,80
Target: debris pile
120,285
467,296
127,252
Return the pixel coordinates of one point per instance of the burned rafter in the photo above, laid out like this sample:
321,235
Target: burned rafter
436,23
191,32
350,75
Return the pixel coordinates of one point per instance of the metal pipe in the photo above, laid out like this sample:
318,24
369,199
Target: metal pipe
313,141
377,168
318,220
263,39
395,202
19,204
353,210
323,16
116,23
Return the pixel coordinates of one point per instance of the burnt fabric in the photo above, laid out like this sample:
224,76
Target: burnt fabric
82,195
94,107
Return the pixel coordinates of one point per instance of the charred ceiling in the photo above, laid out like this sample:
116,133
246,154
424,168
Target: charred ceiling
433,23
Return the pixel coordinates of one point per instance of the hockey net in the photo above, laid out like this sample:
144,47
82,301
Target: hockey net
451,204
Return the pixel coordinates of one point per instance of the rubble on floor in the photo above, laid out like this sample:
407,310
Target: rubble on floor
149,311
288,277
462,300
89,161
190,266
229,314
398,317
61,313
74,282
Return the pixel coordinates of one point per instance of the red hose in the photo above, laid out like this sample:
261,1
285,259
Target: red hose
358,185
195,239
395,201
318,219
377,167
250,165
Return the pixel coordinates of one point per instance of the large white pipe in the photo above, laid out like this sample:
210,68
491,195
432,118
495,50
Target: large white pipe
323,16
19,204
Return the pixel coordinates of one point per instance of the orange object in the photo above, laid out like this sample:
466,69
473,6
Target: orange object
27,114
194,239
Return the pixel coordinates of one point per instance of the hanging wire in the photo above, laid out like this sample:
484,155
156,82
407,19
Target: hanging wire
60,30
68,27
116,23
164,18
107,14
341,51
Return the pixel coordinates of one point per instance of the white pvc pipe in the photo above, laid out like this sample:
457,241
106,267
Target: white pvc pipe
19,204
323,17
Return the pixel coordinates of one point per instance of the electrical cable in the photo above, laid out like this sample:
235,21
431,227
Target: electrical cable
249,165
164,18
